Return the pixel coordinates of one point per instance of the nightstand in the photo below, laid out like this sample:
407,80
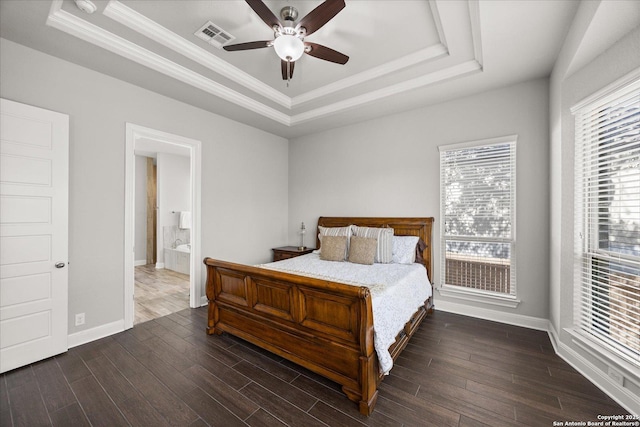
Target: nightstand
286,252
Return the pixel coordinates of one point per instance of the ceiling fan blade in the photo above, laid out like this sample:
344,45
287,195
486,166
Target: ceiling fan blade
264,13
287,72
321,15
248,45
328,54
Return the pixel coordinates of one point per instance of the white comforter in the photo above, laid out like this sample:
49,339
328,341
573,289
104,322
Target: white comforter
397,290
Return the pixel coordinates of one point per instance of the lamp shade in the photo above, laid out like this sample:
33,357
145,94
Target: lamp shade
288,48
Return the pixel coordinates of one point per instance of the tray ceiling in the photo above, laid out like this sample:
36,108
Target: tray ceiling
403,53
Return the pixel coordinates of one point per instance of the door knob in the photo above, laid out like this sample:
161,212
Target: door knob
60,265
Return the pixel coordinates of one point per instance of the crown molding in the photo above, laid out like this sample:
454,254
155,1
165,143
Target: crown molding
474,15
91,33
428,54
78,27
458,70
56,5
156,32
438,22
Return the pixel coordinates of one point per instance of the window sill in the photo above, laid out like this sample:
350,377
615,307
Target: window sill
479,296
595,349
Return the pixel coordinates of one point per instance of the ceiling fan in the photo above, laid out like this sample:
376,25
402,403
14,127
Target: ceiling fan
289,41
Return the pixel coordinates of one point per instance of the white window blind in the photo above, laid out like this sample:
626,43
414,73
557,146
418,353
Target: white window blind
478,182
607,238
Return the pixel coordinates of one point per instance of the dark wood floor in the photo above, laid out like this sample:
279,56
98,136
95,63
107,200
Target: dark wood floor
456,371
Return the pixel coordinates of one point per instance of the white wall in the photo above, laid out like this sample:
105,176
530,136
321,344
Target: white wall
140,226
244,173
390,167
584,14
618,60
174,188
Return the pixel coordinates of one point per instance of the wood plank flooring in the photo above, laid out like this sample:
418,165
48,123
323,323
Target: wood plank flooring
456,371
159,292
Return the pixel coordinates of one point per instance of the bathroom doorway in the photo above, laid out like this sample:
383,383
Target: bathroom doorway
162,223
162,228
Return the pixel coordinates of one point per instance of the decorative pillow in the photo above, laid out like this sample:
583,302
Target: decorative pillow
334,231
419,250
384,236
362,250
404,249
334,248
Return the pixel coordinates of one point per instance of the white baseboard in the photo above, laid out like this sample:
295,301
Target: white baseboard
494,315
623,396
554,338
88,335
139,262
159,265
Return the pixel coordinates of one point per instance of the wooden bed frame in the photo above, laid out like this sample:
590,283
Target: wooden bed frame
324,326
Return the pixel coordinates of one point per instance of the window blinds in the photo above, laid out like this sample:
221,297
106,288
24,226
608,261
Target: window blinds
478,211
607,179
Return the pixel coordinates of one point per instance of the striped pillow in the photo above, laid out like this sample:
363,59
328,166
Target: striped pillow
384,236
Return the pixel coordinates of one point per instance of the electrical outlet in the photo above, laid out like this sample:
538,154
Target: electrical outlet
79,319
616,376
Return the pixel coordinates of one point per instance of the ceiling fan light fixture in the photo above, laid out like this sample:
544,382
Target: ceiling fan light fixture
288,48
289,38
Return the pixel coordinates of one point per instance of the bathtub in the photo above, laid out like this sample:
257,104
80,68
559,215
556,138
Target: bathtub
184,248
178,259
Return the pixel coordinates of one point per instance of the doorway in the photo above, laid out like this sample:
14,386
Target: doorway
172,233
162,228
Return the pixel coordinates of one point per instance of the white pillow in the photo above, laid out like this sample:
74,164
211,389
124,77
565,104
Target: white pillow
404,249
384,236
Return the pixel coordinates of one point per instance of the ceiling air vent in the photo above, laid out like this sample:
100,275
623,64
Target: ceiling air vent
213,34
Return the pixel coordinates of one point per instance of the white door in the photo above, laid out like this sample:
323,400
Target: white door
34,194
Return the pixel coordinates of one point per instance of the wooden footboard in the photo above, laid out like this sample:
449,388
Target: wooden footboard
326,327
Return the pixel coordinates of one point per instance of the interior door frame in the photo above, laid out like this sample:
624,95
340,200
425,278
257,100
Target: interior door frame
135,133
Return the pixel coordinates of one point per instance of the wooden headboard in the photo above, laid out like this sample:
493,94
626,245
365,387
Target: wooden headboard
420,227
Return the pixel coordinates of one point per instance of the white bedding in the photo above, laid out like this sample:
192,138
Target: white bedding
397,290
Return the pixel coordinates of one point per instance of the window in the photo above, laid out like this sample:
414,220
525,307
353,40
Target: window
607,237
477,189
